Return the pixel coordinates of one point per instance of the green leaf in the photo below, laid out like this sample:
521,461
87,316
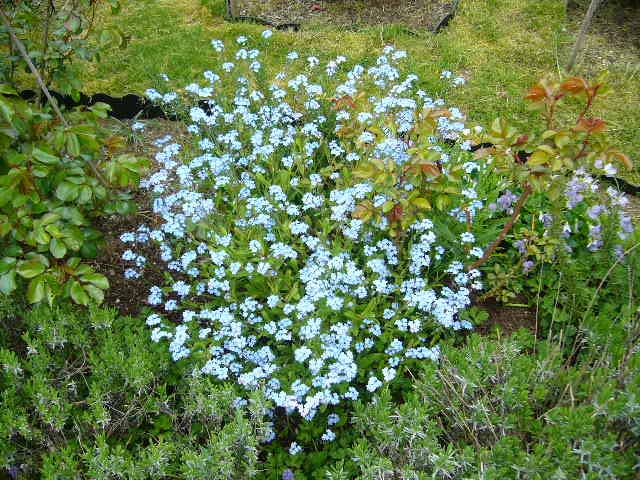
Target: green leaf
422,203
36,290
73,262
387,206
78,293
8,282
95,293
73,237
6,195
5,227
73,145
57,248
6,110
40,171
6,89
7,264
85,194
96,279
89,249
73,24
30,268
44,157
67,191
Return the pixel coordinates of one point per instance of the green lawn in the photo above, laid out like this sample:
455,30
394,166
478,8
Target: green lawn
500,46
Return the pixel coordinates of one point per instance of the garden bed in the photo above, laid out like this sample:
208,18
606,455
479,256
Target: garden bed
414,14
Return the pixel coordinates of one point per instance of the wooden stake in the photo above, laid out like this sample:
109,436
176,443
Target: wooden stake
586,22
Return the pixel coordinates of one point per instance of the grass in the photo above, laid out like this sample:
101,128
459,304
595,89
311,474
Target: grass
500,46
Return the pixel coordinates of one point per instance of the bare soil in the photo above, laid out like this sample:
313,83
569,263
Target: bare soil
129,295
614,33
417,14
507,319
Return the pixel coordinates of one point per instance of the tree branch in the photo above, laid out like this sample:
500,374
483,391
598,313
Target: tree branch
52,101
25,55
505,230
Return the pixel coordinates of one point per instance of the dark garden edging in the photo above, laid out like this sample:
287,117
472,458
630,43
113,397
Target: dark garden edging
131,107
128,107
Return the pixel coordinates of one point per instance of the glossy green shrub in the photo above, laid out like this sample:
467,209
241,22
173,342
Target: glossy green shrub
55,180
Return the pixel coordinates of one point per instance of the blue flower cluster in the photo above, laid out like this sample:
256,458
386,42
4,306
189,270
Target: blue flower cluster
270,280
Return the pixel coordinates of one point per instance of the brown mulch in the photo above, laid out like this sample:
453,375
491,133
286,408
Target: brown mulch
129,295
418,14
507,319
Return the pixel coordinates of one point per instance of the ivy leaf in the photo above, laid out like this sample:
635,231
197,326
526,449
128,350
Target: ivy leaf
30,268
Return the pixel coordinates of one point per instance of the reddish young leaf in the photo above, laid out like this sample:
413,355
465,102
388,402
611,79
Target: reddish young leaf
522,139
574,85
430,169
537,93
590,125
395,215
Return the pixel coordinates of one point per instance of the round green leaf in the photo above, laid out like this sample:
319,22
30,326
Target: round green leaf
57,248
67,191
30,268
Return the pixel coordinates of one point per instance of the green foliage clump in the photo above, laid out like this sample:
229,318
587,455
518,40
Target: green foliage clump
55,179
57,37
84,394
509,409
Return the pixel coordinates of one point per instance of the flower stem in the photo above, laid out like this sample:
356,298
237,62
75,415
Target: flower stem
505,230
